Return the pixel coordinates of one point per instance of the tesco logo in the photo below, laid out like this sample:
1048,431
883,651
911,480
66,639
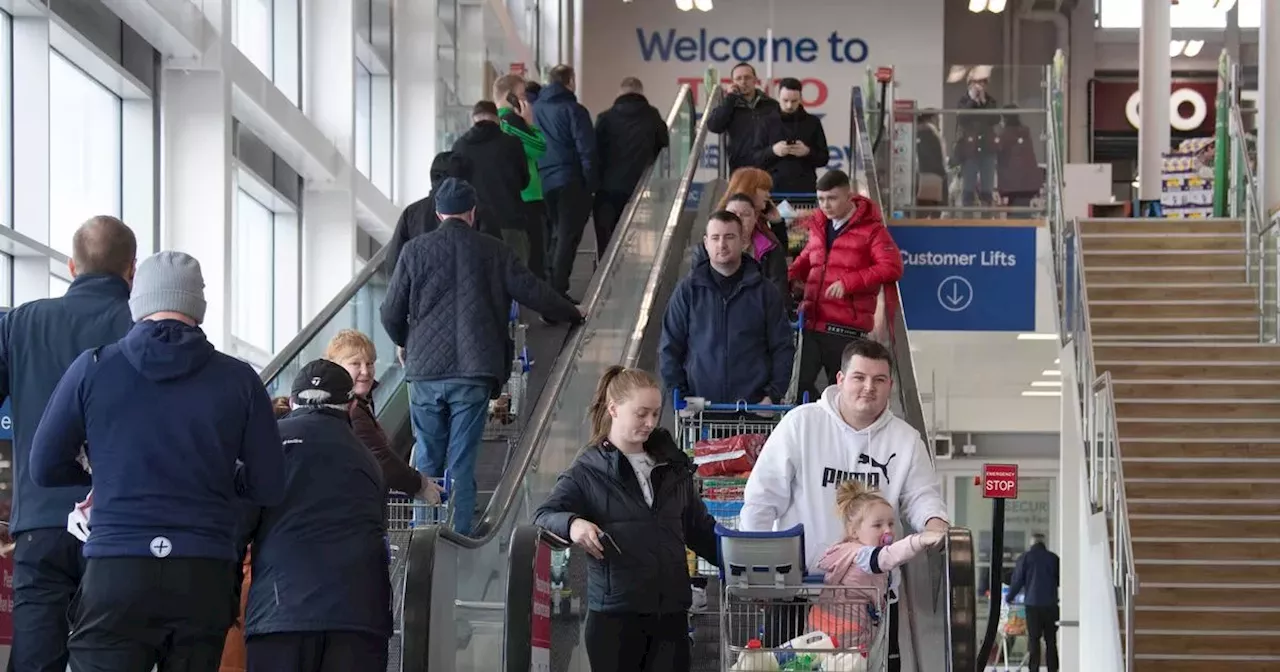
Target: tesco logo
1195,113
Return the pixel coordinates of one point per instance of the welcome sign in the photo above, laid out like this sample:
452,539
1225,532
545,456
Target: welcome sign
826,44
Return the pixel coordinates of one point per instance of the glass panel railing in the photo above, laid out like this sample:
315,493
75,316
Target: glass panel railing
932,615
469,574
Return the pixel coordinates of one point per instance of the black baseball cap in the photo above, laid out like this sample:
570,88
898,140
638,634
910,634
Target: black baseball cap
322,382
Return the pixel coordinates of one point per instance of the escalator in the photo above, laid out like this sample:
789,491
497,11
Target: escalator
468,600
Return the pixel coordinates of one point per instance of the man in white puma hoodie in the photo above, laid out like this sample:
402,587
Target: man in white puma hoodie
849,433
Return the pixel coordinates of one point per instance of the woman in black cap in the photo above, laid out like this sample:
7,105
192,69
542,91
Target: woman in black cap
321,592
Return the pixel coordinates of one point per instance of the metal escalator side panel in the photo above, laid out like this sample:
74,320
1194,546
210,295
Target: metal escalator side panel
962,601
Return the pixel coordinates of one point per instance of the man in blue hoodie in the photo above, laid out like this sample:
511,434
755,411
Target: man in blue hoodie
568,170
321,592
176,434
38,341
725,336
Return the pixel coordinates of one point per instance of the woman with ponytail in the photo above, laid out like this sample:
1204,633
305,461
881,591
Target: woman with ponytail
631,503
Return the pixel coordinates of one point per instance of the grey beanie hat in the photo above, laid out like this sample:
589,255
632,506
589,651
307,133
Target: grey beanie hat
168,282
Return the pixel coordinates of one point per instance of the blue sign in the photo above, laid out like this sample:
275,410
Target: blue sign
695,195
6,420
968,278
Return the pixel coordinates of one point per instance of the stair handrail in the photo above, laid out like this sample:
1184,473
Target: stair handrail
1101,433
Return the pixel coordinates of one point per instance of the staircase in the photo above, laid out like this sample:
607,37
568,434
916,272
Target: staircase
1198,411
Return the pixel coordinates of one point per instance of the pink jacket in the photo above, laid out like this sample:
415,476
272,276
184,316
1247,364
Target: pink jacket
850,563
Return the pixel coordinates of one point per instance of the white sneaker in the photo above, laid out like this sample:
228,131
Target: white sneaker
699,599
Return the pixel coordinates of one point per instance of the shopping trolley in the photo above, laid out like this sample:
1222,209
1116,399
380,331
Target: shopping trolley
775,616
508,411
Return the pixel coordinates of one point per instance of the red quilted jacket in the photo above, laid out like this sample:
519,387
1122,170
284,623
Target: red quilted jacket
863,257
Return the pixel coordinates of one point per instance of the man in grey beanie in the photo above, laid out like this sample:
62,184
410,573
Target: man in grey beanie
178,436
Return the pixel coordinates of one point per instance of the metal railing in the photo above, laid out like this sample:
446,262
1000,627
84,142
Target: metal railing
1101,436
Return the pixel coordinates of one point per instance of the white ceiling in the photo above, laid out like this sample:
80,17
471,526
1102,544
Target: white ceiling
973,381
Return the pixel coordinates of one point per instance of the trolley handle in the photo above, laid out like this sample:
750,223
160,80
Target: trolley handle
514,313
443,482
798,325
698,404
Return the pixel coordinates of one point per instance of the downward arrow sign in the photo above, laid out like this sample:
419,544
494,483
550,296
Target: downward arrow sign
955,297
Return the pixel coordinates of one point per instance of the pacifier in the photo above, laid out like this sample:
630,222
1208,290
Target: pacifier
886,538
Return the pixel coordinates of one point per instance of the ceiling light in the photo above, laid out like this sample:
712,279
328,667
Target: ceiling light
703,5
1051,372
996,6
1037,337
1193,48
1057,361
976,6
993,6
1041,393
684,5
1046,383
1175,48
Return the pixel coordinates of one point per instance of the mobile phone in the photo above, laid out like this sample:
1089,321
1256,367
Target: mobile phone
605,536
513,101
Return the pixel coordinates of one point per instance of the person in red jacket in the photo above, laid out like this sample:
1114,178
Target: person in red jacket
849,257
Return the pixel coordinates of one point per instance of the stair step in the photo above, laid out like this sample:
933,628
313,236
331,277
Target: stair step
1178,549
1191,292
1175,450
1122,259
1202,489
1201,389
1207,596
1258,409
1161,225
1166,328
1162,428
1192,507
1189,370
1136,467
1128,242
1195,571
1165,276
1208,643
1206,527
1176,352
1162,664
1247,308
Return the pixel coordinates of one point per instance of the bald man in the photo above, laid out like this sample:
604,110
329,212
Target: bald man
38,341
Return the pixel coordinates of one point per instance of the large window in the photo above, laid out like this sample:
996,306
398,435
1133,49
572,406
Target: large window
364,119
266,32
1186,14
265,267
84,150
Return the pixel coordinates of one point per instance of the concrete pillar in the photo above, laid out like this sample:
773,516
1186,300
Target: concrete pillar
1269,108
1155,74
417,97
31,154
198,183
329,100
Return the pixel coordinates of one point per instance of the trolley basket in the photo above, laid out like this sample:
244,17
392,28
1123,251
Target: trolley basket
808,627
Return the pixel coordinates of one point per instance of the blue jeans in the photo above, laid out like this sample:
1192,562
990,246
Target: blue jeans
977,180
448,423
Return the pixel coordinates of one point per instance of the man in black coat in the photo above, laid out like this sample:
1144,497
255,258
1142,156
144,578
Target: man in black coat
447,305
499,172
38,342
420,216
742,115
629,136
795,146
1036,577
321,592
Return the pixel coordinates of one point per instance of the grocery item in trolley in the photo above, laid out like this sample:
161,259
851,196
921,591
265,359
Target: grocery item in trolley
507,411
728,456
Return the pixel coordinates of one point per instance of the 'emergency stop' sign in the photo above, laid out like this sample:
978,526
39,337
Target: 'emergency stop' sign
1000,481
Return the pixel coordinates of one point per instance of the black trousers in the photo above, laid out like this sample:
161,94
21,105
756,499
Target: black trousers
1042,622
135,613
638,642
569,208
820,352
607,212
47,569
329,651
536,216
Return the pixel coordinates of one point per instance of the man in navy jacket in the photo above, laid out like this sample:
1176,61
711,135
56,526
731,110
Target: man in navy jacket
568,170
175,433
1036,577
725,336
38,341
321,592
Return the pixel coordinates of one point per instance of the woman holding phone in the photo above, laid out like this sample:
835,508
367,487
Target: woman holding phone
630,502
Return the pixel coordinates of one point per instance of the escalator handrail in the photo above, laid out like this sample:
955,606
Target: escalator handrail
313,328
632,353
505,495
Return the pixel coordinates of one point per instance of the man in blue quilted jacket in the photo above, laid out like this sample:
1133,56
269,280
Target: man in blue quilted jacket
447,305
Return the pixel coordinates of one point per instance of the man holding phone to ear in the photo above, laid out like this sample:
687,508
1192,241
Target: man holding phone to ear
515,113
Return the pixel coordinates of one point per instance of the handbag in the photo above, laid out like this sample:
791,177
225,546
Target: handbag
929,188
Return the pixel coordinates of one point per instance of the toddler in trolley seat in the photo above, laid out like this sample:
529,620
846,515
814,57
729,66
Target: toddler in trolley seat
863,561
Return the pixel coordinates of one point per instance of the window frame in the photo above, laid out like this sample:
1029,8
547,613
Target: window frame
286,218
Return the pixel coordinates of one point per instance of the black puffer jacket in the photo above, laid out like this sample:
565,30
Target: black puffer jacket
794,174
449,300
745,122
499,172
651,574
629,137
419,217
